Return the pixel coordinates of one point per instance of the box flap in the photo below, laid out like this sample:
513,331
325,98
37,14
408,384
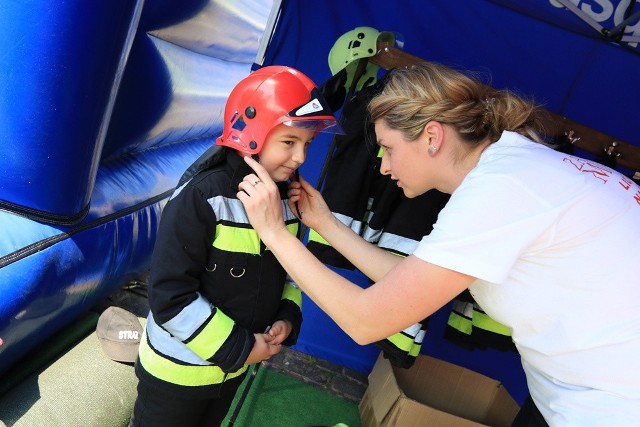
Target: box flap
503,410
383,388
409,413
453,389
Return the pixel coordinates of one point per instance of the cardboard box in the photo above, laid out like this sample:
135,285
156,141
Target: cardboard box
434,393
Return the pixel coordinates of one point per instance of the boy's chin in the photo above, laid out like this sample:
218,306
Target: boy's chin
279,177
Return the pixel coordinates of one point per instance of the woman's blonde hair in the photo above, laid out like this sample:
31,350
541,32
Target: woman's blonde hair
415,95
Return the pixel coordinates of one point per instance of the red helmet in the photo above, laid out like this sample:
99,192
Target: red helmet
268,97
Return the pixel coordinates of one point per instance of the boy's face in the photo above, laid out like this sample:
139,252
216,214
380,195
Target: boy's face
284,151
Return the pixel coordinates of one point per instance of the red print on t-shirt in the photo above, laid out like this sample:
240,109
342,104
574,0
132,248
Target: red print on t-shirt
598,171
603,173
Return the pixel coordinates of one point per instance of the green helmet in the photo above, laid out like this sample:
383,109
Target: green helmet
361,42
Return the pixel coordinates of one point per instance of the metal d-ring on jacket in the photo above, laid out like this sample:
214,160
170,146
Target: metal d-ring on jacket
213,284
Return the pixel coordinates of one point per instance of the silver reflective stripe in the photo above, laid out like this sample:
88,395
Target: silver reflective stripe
369,203
420,337
291,282
287,212
397,243
413,330
190,318
232,210
371,235
349,222
464,308
165,344
178,190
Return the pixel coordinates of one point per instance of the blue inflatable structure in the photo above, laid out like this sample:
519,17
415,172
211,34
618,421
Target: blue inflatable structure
103,105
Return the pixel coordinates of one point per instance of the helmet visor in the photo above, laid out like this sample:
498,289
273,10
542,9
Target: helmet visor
328,125
315,115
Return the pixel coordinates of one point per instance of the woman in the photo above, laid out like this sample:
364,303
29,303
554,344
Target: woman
544,241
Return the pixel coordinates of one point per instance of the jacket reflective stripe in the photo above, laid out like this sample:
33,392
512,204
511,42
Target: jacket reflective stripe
232,210
190,318
186,375
460,323
405,343
410,340
239,239
467,315
461,315
396,243
371,235
292,293
417,342
401,341
482,321
236,239
216,331
315,237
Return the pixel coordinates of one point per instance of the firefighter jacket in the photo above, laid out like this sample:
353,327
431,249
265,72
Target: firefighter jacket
212,284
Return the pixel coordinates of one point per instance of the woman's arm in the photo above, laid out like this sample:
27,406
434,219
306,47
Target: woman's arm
412,290
370,259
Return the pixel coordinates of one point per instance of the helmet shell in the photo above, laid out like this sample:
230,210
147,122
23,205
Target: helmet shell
359,43
268,97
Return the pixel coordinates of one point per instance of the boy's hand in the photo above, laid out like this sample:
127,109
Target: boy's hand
262,349
279,332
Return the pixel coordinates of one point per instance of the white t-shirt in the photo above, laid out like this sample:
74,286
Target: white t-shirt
554,242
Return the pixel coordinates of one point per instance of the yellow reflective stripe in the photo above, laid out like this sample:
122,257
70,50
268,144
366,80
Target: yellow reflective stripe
292,293
460,323
209,340
236,239
482,321
415,349
293,228
314,236
245,240
186,375
380,152
401,341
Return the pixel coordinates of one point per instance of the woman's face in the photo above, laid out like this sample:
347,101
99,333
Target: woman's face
405,161
284,151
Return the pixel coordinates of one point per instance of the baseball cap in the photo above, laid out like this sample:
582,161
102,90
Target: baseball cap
119,333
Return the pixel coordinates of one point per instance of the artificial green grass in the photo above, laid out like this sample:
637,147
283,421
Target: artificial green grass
276,400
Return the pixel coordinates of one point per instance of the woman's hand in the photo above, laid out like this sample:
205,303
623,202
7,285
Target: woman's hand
261,199
313,209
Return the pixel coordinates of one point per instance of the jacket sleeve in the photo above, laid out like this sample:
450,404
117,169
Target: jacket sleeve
186,230
291,309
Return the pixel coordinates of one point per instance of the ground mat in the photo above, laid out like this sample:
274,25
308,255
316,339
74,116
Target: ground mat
276,400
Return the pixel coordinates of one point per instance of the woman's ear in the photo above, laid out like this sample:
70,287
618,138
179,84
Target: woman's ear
433,135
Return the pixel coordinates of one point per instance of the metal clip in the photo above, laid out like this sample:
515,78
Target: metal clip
611,150
211,270
572,139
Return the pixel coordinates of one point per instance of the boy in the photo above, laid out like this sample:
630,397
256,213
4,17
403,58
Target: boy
213,288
